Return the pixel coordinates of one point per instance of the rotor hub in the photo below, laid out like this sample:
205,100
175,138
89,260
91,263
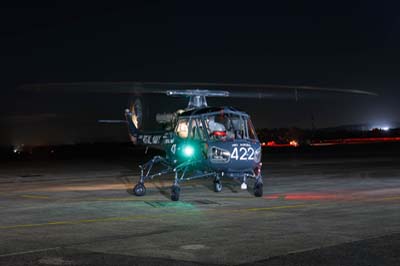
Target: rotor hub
197,98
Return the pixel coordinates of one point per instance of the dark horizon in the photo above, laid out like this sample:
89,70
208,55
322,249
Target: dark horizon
351,46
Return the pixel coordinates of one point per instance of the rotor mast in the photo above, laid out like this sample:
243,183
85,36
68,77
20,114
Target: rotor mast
197,98
197,102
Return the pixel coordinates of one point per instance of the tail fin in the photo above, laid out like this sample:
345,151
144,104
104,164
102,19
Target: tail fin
139,137
133,130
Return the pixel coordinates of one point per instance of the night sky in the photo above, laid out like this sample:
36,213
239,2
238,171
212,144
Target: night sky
354,45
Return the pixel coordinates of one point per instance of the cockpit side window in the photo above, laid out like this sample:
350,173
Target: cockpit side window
238,127
251,130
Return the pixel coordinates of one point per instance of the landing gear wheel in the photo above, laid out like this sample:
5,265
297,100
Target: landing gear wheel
175,191
217,185
258,189
139,189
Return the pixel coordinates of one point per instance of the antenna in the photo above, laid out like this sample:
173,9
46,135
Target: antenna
197,98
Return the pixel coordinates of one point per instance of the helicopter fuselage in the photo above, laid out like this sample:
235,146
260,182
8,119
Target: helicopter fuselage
212,139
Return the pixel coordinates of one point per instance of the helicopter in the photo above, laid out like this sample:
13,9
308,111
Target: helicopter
199,141
204,142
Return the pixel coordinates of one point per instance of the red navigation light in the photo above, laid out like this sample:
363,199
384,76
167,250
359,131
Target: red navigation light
219,133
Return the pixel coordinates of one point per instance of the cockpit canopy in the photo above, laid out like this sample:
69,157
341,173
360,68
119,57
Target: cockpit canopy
215,124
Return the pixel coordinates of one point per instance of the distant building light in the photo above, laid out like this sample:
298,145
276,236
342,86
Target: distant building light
384,128
294,143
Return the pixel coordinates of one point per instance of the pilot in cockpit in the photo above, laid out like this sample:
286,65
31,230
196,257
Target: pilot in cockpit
216,129
215,126
183,129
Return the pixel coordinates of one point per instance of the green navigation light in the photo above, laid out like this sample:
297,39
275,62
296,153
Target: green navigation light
188,151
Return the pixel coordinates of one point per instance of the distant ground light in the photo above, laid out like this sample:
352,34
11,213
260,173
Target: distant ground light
381,127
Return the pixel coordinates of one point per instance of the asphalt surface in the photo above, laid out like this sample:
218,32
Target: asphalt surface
319,209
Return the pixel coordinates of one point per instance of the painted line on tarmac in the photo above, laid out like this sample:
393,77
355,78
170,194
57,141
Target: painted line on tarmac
279,207
27,252
369,200
35,196
74,222
137,217
391,198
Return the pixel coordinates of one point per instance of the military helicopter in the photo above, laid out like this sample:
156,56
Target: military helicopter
199,141
204,142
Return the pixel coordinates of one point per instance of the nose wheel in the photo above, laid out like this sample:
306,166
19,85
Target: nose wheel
217,185
258,189
175,191
139,189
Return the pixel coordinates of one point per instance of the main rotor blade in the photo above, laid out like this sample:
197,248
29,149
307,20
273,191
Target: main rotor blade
93,87
235,89
260,89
